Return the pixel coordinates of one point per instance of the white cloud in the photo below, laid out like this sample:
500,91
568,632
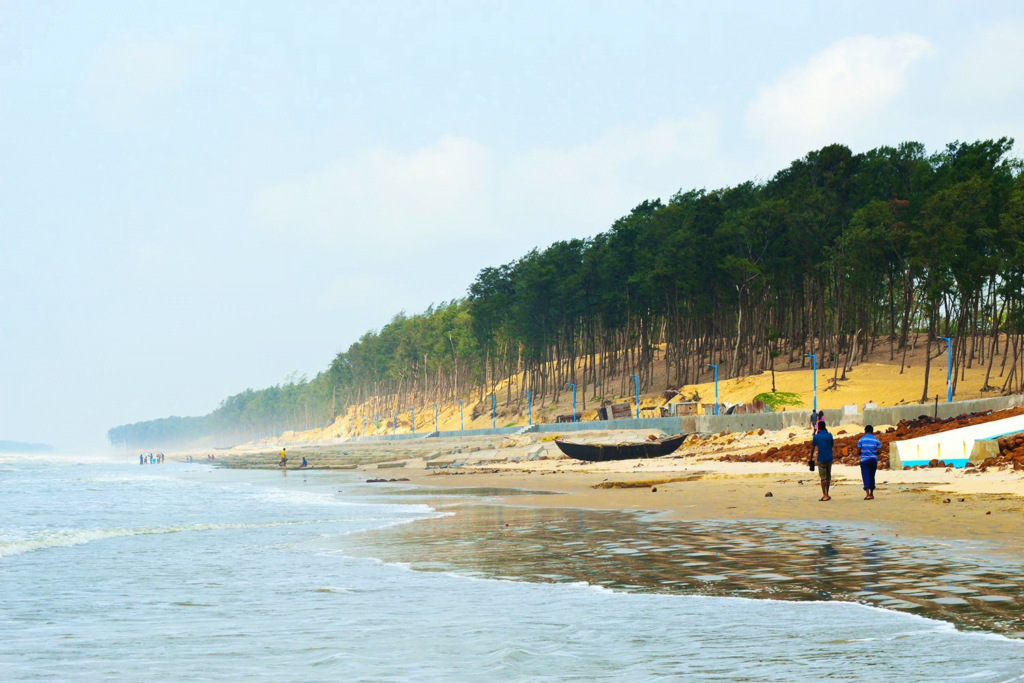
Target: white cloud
459,190
136,71
836,95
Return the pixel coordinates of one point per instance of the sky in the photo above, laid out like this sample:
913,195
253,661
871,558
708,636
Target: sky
200,197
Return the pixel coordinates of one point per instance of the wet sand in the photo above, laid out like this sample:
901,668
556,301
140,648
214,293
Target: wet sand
985,507
530,537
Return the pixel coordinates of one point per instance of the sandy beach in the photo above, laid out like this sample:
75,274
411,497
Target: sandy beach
693,484
987,507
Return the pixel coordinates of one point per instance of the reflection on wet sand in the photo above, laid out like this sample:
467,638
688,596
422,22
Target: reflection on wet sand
958,582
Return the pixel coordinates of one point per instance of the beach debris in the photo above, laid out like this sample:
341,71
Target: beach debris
768,495
654,489
947,500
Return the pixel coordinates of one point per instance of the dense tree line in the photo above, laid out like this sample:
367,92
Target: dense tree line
838,255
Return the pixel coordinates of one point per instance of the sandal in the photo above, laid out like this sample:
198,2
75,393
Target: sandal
824,499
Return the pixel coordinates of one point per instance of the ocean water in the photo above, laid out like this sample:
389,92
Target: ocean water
112,571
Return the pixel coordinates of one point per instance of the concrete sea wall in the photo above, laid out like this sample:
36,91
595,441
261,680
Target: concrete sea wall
736,423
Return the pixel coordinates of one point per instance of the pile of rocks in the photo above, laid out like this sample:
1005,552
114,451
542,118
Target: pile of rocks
1011,454
845,447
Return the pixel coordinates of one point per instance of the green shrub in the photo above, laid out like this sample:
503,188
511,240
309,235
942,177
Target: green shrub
779,399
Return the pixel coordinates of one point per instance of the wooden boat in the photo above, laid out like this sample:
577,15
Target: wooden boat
621,451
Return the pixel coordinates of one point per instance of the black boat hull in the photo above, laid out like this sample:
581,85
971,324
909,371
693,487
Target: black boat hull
629,451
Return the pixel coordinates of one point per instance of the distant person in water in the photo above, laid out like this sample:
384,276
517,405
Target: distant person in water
304,463
869,446
284,458
822,443
141,460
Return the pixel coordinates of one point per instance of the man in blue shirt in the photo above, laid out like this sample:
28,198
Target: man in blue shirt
822,442
869,446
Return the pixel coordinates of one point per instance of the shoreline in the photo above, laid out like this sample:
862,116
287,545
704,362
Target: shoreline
971,584
695,484
712,532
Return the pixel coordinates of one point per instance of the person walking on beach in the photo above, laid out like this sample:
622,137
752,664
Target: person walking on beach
822,442
816,417
284,458
869,446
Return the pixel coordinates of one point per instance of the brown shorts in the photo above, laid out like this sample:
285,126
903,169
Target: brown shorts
825,471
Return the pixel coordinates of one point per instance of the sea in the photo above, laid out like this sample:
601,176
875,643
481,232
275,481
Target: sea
188,572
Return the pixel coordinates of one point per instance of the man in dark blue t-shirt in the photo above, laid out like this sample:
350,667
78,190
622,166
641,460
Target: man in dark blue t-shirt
822,442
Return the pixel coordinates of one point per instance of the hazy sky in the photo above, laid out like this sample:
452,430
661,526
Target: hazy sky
199,197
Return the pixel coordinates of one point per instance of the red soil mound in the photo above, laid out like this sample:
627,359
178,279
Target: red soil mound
1011,454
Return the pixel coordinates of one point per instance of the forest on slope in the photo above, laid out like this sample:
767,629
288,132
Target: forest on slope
838,255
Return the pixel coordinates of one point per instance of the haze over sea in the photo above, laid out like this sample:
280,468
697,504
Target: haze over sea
187,572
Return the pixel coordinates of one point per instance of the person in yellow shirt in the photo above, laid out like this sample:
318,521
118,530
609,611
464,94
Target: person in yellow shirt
284,458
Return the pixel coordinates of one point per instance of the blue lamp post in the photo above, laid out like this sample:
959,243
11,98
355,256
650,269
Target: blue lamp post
814,374
412,419
494,412
949,368
715,367
394,423
636,379
462,418
376,416
435,417
529,407
573,385
364,425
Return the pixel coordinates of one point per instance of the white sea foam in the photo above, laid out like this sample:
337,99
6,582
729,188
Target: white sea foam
292,497
65,538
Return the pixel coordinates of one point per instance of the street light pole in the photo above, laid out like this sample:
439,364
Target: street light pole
435,418
494,412
636,379
394,424
715,367
376,416
412,419
949,369
814,374
529,406
462,419
573,385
